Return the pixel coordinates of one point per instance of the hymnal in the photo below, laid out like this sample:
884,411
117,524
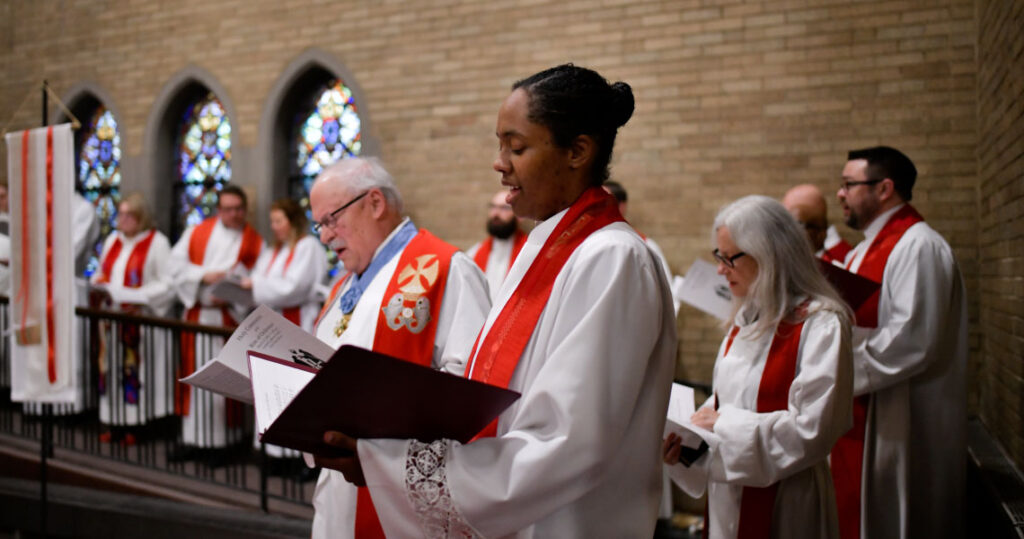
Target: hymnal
365,394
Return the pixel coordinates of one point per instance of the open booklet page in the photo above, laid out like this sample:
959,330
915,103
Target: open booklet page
704,289
268,333
231,291
274,384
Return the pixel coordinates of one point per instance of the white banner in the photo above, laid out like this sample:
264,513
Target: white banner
35,374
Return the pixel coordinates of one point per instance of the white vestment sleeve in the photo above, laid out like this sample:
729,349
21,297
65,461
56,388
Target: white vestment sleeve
185,276
915,300
604,329
464,308
758,449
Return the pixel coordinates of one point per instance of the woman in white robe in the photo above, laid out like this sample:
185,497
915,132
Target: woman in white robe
286,274
135,378
758,449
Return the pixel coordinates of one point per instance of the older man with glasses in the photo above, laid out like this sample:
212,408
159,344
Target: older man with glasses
407,294
900,471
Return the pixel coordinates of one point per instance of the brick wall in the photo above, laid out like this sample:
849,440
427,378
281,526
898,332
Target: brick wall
1001,231
733,96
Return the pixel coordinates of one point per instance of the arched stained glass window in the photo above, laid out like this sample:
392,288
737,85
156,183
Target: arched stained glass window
204,160
99,174
330,131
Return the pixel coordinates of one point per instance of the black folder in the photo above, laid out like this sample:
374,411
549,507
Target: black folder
365,394
853,288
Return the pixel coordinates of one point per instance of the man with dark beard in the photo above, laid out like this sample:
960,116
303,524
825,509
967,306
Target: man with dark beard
495,254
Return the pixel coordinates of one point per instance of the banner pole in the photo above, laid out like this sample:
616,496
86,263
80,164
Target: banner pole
46,443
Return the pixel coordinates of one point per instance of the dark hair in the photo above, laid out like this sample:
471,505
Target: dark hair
617,191
885,162
233,190
295,214
572,101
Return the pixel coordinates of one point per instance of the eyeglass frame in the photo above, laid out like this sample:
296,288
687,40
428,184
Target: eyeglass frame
846,185
729,261
332,218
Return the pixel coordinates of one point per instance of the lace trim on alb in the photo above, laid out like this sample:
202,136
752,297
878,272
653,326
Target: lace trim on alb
427,485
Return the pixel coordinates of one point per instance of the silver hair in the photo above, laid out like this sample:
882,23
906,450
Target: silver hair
762,228
362,174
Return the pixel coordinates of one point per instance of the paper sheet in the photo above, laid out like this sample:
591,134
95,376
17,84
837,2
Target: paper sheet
276,384
266,332
680,409
704,289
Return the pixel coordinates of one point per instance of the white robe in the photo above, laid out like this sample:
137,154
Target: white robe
463,310
278,288
914,367
790,446
578,454
497,262
157,298
221,255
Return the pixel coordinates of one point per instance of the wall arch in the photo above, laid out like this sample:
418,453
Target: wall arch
307,71
160,134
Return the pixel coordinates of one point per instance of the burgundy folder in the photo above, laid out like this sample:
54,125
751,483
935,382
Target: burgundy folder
364,394
853,288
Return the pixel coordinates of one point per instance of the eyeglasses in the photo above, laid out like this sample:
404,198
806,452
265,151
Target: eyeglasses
332,218
845,185
729,261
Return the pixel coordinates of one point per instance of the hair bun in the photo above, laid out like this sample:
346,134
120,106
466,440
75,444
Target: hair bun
622,104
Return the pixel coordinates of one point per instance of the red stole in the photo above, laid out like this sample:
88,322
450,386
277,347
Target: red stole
406,326
494,359
248,252
484,252
133,270
292,314
848,453
757,504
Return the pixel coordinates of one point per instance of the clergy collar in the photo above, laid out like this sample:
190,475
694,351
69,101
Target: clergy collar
875,227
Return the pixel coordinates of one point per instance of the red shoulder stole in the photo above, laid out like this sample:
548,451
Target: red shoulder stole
496,356
848,453
412,302
757,504
837,253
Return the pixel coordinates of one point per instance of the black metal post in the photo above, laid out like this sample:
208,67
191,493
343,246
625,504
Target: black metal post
46,442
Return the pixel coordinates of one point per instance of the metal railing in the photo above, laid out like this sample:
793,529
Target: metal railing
131,408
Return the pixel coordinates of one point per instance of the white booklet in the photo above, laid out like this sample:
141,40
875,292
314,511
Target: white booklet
680,410
706,290
268,333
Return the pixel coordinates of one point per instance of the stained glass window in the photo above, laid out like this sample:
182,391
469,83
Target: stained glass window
204,160
331,130
99,174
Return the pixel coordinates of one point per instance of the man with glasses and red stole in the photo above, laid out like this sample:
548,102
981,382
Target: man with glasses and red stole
204,255
900,471
407,294
583,328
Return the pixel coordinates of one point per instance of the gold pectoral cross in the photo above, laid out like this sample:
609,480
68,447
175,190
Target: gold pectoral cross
342,325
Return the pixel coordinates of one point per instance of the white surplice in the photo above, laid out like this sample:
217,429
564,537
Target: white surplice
205,425
277,287
497,262
789,446
463,310
578,454
155,298
913,365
